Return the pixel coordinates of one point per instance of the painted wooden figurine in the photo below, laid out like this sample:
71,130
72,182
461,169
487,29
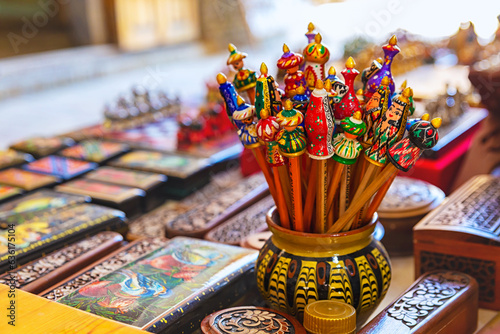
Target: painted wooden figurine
267,126
290,61
267,95
332,76
423,135
291,138
349,102
319,124
316,55
390,51
310,33
245,79
247,133
292,143
300,100
368,72
390,129
374,108
230,96
347,148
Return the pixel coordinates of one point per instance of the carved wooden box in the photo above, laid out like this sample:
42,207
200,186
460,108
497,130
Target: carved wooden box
463,234
42,273
441,301
251,319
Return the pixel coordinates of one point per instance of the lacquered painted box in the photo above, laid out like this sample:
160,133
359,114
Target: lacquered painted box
172,289
95,151
463,234
12,158
126,199
27,180
61,167
42,146
40,203
41,235
153,184
113,261
185,173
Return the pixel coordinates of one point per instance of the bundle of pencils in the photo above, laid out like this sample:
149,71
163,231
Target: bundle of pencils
353,149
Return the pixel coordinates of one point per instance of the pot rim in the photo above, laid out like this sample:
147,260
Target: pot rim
273,226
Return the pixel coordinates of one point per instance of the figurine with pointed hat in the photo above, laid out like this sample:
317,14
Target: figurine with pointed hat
423,135
310,34
332,76
245,79
346,147
247,133
267,126
230,97
374,108
390,129
290,61
316,55
319,124
267,95
390,51
349,102
300,99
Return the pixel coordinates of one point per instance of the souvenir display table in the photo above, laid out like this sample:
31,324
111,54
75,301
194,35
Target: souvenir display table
156,221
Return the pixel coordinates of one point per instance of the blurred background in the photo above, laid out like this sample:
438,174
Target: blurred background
62,61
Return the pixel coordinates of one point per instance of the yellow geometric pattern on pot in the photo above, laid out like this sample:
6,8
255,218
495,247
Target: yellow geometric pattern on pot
367,284
340,286
277,283
306,290
385,271
261,273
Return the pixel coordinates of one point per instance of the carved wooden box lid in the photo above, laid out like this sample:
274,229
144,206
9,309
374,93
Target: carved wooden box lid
408,197
440,301
473,209
250,320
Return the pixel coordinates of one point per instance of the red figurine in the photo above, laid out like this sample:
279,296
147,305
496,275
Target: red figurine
349,103
290,61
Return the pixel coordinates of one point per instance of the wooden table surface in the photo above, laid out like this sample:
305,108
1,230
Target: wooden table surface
35,314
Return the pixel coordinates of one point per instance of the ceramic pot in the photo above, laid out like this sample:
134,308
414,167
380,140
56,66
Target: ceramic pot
295,268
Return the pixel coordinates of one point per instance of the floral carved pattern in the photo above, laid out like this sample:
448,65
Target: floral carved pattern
252,321
431,293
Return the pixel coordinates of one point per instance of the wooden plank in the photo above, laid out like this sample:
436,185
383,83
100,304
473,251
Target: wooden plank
34,314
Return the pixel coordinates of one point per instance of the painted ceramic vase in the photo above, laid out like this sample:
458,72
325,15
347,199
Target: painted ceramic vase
294,269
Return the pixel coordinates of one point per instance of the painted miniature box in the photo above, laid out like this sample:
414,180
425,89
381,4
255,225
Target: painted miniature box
38,275
126,199
12,158
60,167
440,301
37,204
152,183
105,266
185,173
95,151
26,180
172,289
463,234
8,193
41,146
38,236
